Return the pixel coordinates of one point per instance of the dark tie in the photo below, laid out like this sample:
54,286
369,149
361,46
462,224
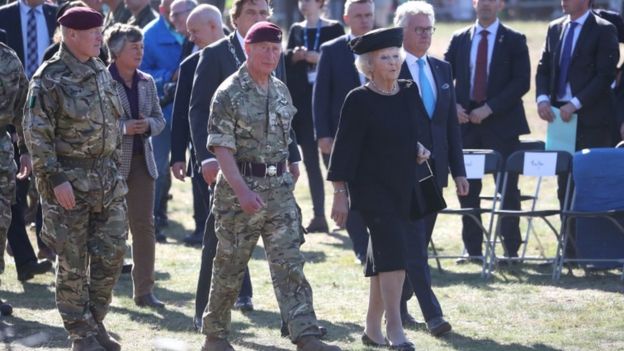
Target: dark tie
479,87
566,57
32,59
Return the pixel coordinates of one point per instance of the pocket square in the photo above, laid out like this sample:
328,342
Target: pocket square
445,86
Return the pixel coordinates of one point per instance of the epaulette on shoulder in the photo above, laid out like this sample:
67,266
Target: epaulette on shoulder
45,76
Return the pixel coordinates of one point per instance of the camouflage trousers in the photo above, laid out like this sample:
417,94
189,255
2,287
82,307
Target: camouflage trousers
279,226
90,244
8,169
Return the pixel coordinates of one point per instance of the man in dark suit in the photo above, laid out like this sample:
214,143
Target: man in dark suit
491,67
438,131
216,62
575,74
30,25
336,77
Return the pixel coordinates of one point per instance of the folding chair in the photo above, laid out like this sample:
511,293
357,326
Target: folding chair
486,162
598,208
531,164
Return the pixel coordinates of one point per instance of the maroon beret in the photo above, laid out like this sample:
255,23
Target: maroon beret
81,18
264,31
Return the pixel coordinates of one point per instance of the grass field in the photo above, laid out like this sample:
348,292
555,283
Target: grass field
520,308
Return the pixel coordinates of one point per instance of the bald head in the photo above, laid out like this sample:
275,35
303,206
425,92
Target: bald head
204,25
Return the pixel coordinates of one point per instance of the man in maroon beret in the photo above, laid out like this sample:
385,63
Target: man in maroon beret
248,132
71,129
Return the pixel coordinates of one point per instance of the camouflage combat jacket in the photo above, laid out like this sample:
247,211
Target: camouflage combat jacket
13,90
72,111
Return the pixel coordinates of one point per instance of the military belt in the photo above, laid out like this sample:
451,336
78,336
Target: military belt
81,162
253,169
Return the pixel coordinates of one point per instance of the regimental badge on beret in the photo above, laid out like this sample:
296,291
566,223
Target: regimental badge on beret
264,31
376,40
81,18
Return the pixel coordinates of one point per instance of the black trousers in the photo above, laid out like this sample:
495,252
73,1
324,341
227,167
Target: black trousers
209,250
418,280
200,211
305,137
17,237
355,228
478,138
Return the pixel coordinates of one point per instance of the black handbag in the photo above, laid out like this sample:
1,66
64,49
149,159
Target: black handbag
427,197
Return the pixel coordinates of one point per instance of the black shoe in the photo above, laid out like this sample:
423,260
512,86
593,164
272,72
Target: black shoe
474,259
406,346
409,321
438,326
160,237
318,225
244,304
198,323
5,309
126,268
32,268
195,239
370,342
148,300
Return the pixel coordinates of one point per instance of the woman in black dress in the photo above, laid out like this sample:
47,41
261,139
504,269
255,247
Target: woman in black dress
374,158
304,40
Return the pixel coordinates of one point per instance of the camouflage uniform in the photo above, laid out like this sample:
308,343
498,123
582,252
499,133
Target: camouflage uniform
238,121
13,89
70,125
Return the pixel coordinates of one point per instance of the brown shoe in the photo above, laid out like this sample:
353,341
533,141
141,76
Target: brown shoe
87,344
107,341
312,343
213,343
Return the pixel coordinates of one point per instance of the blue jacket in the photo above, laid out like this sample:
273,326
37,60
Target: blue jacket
161,57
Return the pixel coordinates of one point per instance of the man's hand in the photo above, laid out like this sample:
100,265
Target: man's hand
462,186
209,171
299,54
179,170
312,57
566,111
462,116
136,126
250,201
544,110
325,144
293,168
25,166
423,154
64,194
479,114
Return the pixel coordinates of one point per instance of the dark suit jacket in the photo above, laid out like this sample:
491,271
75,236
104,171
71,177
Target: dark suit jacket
3,36
215,64
440,134
11,22
509,79
336,77
180,132
591,72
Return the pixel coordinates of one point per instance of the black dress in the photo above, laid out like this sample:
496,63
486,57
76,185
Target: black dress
375,153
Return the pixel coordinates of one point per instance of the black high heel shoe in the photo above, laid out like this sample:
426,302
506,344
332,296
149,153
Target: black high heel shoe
370,342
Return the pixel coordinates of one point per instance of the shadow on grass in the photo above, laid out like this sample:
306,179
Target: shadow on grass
17,333
35,297
309,256
466,343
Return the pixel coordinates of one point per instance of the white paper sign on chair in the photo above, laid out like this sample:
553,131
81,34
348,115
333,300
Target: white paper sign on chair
475,166
540,163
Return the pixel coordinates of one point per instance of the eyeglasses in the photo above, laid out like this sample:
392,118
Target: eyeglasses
424,30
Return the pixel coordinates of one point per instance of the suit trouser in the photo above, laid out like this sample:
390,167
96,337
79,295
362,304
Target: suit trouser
311,160
472,235
162,147
141,221
209,250
417,268
200,212
356,229
23,252
585,138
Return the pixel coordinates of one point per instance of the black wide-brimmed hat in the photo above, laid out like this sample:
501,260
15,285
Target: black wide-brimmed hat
376,40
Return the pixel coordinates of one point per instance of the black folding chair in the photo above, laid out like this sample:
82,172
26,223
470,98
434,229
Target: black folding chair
492,165
532,164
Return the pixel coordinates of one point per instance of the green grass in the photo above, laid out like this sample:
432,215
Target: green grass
518,309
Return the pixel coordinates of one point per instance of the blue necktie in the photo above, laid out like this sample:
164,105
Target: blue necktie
32,60
566,57
425,88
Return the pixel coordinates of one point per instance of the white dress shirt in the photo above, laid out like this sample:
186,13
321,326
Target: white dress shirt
412,64
476,39
577,31
43,37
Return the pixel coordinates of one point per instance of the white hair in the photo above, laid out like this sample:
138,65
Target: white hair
412,8
364,62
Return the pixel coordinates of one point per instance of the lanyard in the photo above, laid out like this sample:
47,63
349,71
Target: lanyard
316,39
